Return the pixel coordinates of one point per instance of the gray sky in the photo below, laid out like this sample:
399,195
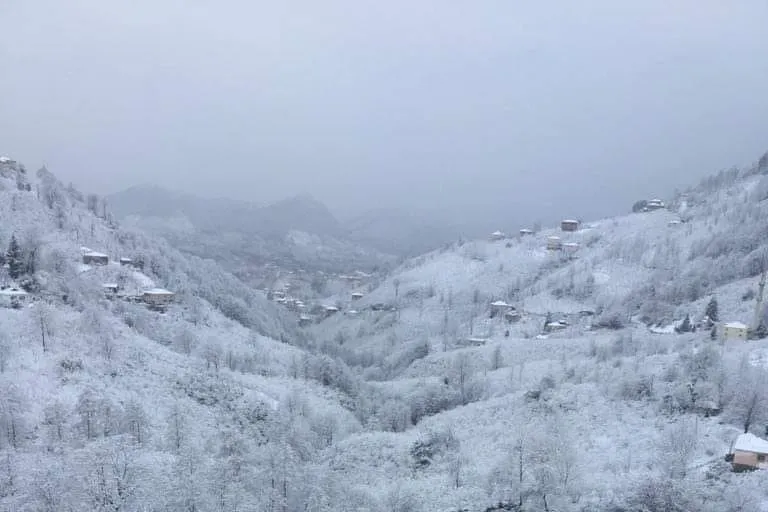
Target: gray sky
505,109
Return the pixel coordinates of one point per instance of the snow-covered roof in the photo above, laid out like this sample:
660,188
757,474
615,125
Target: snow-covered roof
357,294
126,259
571,221
5,160
331,308
13,292
158,291
95,254
110,285
499,303
750,443
497,233
736,325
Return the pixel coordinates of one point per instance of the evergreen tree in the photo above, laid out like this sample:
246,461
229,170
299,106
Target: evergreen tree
547,321
15,259
686,325
712,310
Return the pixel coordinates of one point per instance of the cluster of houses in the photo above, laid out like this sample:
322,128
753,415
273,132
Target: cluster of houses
310,314
155,298
553,243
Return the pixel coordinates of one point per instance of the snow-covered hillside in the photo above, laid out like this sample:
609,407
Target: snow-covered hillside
593,412
488,375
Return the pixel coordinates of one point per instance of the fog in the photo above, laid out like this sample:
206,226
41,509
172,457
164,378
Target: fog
484,110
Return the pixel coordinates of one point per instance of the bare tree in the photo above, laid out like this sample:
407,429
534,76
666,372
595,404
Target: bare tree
6,350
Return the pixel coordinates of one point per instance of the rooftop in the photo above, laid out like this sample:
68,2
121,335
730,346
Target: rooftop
735,325
95,254
158,291
750,443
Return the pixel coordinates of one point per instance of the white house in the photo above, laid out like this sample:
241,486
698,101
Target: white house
554,243
500,307
357,296
13,297
526,232
95,258
158,296
497,235
734,331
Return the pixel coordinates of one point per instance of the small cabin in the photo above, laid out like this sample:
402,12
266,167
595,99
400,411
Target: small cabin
7,160
674,223
330,310
305,320
512,316
110,289
654,204
497,235
357,296
749,452
734,331
500,307
526,232
554,243
95,258
126,262
569,225
158,297
13,297
558,325
570,248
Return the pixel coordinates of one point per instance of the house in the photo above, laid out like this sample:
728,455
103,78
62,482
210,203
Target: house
512,316
654,204
500,307
554,243
357,296
95,258
497,235
13,297
157,297
569,225
7,160
305,320
126,262
330,310
749,452
674,223
734,331
555,326
526,232
570,248
110,289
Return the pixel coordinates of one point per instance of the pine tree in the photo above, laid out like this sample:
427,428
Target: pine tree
15,259
686,325
712,310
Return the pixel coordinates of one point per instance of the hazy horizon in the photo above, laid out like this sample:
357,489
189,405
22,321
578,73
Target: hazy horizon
485,111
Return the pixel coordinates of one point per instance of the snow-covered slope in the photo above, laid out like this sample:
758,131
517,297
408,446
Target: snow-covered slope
599,413
420,400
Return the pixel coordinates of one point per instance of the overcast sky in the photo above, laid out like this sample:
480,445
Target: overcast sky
499,109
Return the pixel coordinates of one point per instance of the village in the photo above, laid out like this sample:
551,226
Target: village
129,284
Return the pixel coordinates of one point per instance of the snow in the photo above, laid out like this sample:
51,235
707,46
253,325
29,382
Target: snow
751,443
94,254
158,291
5,160
735,325
13,292
500,304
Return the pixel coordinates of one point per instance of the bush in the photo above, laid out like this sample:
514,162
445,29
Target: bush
640,388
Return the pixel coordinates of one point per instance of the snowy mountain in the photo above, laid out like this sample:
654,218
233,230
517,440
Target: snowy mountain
243,236
577,373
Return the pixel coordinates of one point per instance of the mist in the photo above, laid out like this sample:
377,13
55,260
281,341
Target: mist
490,112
